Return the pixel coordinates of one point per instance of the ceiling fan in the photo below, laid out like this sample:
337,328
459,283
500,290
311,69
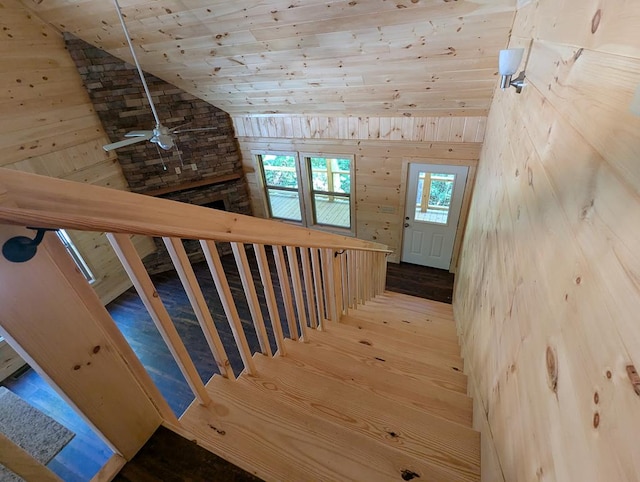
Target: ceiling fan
161,135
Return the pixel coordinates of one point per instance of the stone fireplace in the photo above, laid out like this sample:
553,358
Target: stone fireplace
205,166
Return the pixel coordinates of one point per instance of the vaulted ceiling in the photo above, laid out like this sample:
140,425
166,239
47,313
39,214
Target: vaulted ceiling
348,57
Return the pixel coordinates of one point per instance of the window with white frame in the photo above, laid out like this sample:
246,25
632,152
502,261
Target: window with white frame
75,254
312,189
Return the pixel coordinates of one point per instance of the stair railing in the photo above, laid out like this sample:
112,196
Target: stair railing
319,275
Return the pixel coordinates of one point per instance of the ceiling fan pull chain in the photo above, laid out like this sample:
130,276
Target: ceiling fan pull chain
177,148
135,59
164,167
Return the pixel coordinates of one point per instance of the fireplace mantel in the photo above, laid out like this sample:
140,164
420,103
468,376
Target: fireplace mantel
208,181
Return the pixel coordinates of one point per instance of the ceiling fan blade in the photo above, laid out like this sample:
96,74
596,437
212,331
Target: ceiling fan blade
139,134
127,142
177,128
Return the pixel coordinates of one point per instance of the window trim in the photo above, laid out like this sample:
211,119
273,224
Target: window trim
264,186
78,259
305,189
305,159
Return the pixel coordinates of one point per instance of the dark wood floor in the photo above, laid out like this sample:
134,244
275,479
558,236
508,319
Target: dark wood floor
86,453
411,279
171,458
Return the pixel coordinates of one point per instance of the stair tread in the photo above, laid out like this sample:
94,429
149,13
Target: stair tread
437,441
447,404
280,442
382,304
391,345
394,363
414,333
404,320
418,302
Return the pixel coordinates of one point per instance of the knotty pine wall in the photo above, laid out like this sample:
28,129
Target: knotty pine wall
382,147
48,126
548,293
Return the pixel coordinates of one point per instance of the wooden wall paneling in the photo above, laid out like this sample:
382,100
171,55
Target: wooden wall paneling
380,176
545,294
464,213
53,129
86,367
445,129
609,28
574,78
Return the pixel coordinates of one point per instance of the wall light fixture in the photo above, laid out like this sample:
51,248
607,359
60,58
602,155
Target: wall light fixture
509,62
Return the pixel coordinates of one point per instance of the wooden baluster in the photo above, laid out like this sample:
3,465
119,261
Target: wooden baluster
246,277
369,255
132,264
353,281
272,304
308,285
317,283
383,283
285,289
345,281
367,278
196,298
337,277
228,304
297,290
361,276
376,271
329,285
380,273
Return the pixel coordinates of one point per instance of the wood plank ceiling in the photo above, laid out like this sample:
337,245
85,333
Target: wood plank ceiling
348,57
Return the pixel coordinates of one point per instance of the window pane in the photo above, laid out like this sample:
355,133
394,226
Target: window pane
330,174
320,181
280,170
433,206
332,210
284,204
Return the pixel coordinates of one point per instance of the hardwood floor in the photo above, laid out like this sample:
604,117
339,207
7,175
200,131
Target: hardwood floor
86,453
171,458
411,279
81,458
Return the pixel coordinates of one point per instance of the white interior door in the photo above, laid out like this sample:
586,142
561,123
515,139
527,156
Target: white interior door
432,211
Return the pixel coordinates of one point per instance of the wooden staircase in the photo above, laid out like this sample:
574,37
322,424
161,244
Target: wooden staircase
366,385
379,396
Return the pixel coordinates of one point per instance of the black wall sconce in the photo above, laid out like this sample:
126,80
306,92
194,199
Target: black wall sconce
20,249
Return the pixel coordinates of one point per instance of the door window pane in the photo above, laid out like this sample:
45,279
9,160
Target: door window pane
332,210
284,204
433,197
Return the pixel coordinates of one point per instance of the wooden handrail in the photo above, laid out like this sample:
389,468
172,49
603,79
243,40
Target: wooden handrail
34,200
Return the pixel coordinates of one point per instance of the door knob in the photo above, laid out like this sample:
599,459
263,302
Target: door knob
406,225
407,218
